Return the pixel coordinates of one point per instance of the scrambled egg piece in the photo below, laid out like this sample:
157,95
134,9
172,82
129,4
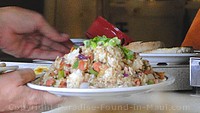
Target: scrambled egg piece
40,69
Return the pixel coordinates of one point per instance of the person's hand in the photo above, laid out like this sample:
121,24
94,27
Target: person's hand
26,34
15,96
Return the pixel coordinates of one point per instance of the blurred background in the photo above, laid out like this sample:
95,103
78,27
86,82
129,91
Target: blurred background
146,20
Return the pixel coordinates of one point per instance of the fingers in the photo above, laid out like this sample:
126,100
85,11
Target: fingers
19,77
50,98
54,45
44,54
48,43
37,97
46,49
68,44
48,31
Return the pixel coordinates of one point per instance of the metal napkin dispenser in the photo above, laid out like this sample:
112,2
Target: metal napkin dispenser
195,71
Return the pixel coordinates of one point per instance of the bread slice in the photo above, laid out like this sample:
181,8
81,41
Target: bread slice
140,46
172,50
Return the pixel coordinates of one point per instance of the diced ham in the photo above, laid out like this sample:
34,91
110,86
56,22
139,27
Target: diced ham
96,66
50,82
82,65
63,84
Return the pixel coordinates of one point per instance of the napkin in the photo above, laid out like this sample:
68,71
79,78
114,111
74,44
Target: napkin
102,27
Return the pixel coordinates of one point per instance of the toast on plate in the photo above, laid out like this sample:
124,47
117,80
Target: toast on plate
140,46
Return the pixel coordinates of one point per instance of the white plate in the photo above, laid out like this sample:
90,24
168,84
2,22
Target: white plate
78,42
103,92
8,68
179,58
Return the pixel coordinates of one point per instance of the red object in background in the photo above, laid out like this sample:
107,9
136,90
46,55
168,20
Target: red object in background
102,27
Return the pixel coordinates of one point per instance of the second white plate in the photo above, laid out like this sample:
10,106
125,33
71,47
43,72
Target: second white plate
179,58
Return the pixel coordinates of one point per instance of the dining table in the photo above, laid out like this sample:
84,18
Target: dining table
187,101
